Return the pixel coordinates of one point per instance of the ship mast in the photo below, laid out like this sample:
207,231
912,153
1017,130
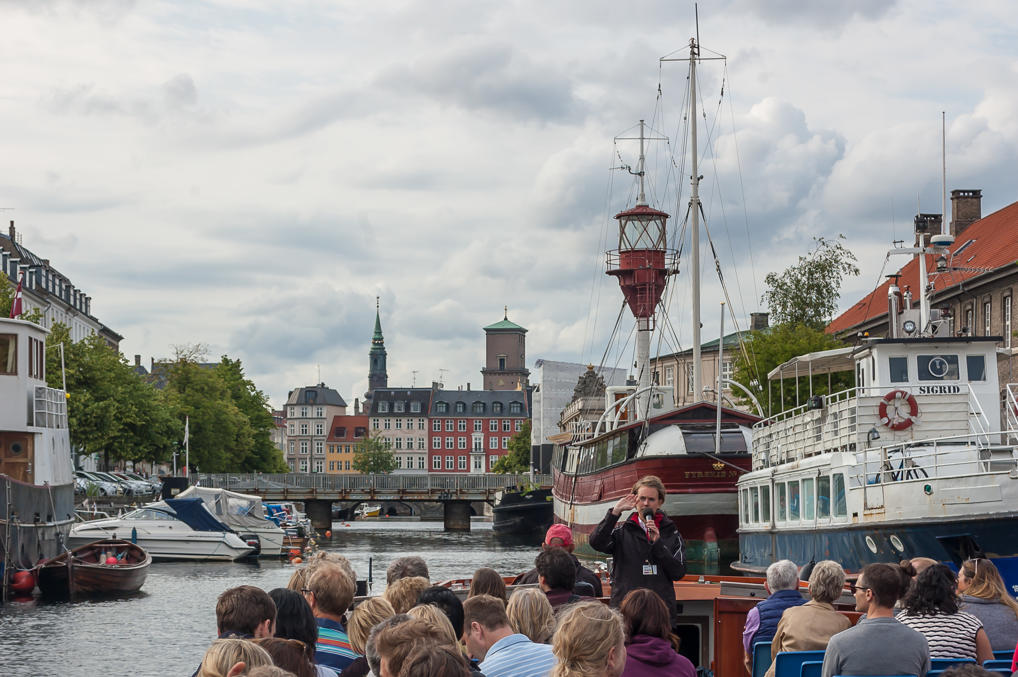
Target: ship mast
694,205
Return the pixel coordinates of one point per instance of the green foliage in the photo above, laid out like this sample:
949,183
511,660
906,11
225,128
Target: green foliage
110,409
229,423
517,460
770,347
372,456
7,291
807,292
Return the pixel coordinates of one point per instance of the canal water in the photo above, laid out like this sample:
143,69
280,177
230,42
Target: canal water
165,628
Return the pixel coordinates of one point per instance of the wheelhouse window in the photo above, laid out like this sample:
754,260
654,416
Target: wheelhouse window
937,367
976,367
765,503
754,503
898,369
8,354
808,498
838,496
793,501
782,500
824,497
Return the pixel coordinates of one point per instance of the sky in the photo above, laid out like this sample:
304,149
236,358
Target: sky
249,175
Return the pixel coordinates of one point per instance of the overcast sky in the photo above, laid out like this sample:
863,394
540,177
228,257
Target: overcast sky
250,174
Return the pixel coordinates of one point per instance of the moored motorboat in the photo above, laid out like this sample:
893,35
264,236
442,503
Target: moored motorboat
105,567
245,514
177,528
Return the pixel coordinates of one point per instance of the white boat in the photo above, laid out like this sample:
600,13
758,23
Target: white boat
177,528
244,513
36,473
912,461
367,511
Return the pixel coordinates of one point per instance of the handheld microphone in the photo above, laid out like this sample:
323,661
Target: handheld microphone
648,517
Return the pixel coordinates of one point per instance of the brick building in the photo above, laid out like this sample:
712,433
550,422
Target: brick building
470,429
505,356
973,285
344,435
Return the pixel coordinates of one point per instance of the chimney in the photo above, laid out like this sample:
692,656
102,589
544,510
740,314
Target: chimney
137,360
926,225
356,406
758,321
468,386
966,209
14,232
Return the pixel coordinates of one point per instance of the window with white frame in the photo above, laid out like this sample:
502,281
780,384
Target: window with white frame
291,463
290,428
436,442
493,425
398,407
436,426
436,462
461,443
449,463
518,425
415,407
303,446
319,447
383,407
461,407
986,318
374,424
399,462
669,376
462,462
689,378
399,424
387,423
968,322
303,465
492,460
1007,321
449,441
420,443
420,424
347,464
506,425
303,412
420,462
319,429
449,425
292,443
319,466
399,442
303,428
319,412
293,411
461,426
441,407
493,442
505,442
478,463
515,407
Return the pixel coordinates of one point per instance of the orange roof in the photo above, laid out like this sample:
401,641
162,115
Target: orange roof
989,244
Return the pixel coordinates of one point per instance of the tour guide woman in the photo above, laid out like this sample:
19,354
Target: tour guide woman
647,553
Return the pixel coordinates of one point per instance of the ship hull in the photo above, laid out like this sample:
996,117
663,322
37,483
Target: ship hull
523,513
39,521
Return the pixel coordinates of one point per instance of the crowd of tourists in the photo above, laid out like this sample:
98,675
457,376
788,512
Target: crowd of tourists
913,612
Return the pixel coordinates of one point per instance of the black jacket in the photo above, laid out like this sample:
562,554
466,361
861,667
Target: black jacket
583,576
630,549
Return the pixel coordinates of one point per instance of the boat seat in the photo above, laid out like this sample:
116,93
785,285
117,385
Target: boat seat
761,658
997,664
1003,655
945,663
789,663
812,669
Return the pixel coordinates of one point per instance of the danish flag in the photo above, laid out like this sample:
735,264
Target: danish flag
16,304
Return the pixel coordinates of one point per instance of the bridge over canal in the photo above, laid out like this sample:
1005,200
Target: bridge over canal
318,491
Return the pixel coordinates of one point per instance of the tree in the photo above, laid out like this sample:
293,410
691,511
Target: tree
372,456
110,409
517,461
263,455
770,347
807,293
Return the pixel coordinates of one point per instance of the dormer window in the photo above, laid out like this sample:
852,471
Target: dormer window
398,407
477,408
383,407
415,407
496,408
461,407
515,408
441,407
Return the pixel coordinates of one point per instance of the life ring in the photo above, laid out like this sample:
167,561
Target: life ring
902,423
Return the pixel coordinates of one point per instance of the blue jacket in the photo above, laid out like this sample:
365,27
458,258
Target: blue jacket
770,611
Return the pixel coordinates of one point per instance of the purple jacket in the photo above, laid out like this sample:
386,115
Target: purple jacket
648,656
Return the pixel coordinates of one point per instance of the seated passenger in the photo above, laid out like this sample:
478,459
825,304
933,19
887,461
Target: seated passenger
808,627
557,576
782,585
649,651
984,596
589,642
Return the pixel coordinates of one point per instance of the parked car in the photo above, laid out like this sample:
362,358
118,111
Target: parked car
126,488
138,487
155,484
104,486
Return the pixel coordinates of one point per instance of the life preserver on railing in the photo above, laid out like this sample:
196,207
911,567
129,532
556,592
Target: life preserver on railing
896,419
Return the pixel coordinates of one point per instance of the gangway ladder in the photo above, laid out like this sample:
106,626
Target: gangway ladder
1011,412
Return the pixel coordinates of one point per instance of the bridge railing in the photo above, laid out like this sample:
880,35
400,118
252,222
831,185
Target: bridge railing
396,483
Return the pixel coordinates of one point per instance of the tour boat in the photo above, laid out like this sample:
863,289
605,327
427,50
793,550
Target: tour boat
911,461
698,450
176,528
99,568
36,474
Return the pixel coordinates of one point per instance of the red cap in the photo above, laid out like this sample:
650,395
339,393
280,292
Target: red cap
559,531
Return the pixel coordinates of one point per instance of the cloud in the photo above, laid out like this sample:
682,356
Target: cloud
823,14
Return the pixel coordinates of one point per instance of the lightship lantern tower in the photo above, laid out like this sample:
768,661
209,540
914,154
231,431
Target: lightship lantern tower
642,264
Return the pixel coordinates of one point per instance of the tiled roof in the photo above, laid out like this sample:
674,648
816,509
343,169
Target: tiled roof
504,324
731,341
987,245
485,397
405,395
316,395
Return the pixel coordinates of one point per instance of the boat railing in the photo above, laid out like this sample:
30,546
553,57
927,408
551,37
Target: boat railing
1011,408
259,483
935,458
50,408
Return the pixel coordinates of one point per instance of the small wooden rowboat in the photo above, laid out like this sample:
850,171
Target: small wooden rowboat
103,567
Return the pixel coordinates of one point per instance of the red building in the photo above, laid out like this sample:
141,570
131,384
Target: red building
344,434
470,430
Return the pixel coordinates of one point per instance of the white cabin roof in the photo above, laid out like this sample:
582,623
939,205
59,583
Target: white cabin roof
820,362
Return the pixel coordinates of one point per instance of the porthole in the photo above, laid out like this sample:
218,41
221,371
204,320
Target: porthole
871,544
16,448
896,542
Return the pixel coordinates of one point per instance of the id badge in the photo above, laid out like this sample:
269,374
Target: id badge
649,569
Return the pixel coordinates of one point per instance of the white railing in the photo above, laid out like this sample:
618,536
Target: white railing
1011,408
397,483
50,410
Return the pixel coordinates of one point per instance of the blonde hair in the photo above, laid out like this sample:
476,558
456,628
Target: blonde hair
298,579
586,632
403,594
365,616
431,614
530,614
332,587
654,482
827,581
987,583
223,654
321,557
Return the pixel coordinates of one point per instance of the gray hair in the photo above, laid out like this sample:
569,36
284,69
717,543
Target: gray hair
826,581
783,575
405,567
370,652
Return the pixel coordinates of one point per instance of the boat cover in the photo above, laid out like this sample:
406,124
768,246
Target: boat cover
192,512
240,511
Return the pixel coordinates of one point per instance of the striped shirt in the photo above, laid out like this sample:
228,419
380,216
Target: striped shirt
333,649
517,656
949,635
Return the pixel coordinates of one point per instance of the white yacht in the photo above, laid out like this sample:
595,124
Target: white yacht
177,528
245,514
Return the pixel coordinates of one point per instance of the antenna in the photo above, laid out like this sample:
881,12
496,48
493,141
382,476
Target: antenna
441,376
319,368
413,379
943,172
696,15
